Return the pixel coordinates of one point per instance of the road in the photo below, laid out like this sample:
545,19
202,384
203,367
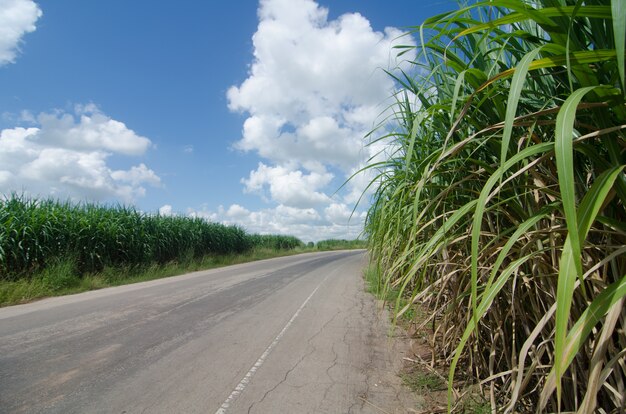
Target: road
295,334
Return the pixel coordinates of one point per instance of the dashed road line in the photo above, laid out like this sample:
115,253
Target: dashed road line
246,379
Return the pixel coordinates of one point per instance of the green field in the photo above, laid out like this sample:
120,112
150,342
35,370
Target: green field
38,233
50,248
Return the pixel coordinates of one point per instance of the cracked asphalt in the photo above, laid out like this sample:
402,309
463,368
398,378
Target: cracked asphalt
184,344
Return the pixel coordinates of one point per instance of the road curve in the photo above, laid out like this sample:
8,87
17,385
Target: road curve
289,335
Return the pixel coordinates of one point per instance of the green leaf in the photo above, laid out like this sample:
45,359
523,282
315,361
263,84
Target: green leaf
457,87
517,84
563,147
618,9
589,209
439,236
580,331
412,136
600,12
594,199
481,206
580,59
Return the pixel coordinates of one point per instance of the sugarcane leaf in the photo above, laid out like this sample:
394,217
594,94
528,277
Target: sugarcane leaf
589,209
618,10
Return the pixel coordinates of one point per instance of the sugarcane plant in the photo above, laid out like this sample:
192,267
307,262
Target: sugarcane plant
502,205
37,233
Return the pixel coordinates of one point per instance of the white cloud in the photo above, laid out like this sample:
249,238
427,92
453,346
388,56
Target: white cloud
304,223
94,130
289,187
166,210
235,211
314,84
5,177
205,213
66,157
338,213
17,18
293,215
315,88
137,175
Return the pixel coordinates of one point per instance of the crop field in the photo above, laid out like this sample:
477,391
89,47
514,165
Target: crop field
502,208
35,234
338,244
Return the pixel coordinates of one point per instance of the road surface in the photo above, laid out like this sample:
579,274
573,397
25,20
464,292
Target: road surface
289,335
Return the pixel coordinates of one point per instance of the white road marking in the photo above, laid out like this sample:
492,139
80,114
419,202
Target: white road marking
246,379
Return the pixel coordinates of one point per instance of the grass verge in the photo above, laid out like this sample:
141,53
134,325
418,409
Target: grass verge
376,286
62,278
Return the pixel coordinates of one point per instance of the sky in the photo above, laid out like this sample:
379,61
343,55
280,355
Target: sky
241,112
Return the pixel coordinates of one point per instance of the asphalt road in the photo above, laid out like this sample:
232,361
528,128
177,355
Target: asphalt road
289,335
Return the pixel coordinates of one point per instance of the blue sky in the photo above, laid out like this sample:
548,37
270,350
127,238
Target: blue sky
240,112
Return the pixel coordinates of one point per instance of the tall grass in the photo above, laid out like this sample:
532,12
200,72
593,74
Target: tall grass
275,241
339,244
35,234
502,208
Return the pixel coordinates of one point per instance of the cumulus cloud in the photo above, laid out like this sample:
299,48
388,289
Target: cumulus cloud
137,175
166,210
305,223
17,18
67,154
289,187
338,213
235,211
315,88
93,131
206,214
